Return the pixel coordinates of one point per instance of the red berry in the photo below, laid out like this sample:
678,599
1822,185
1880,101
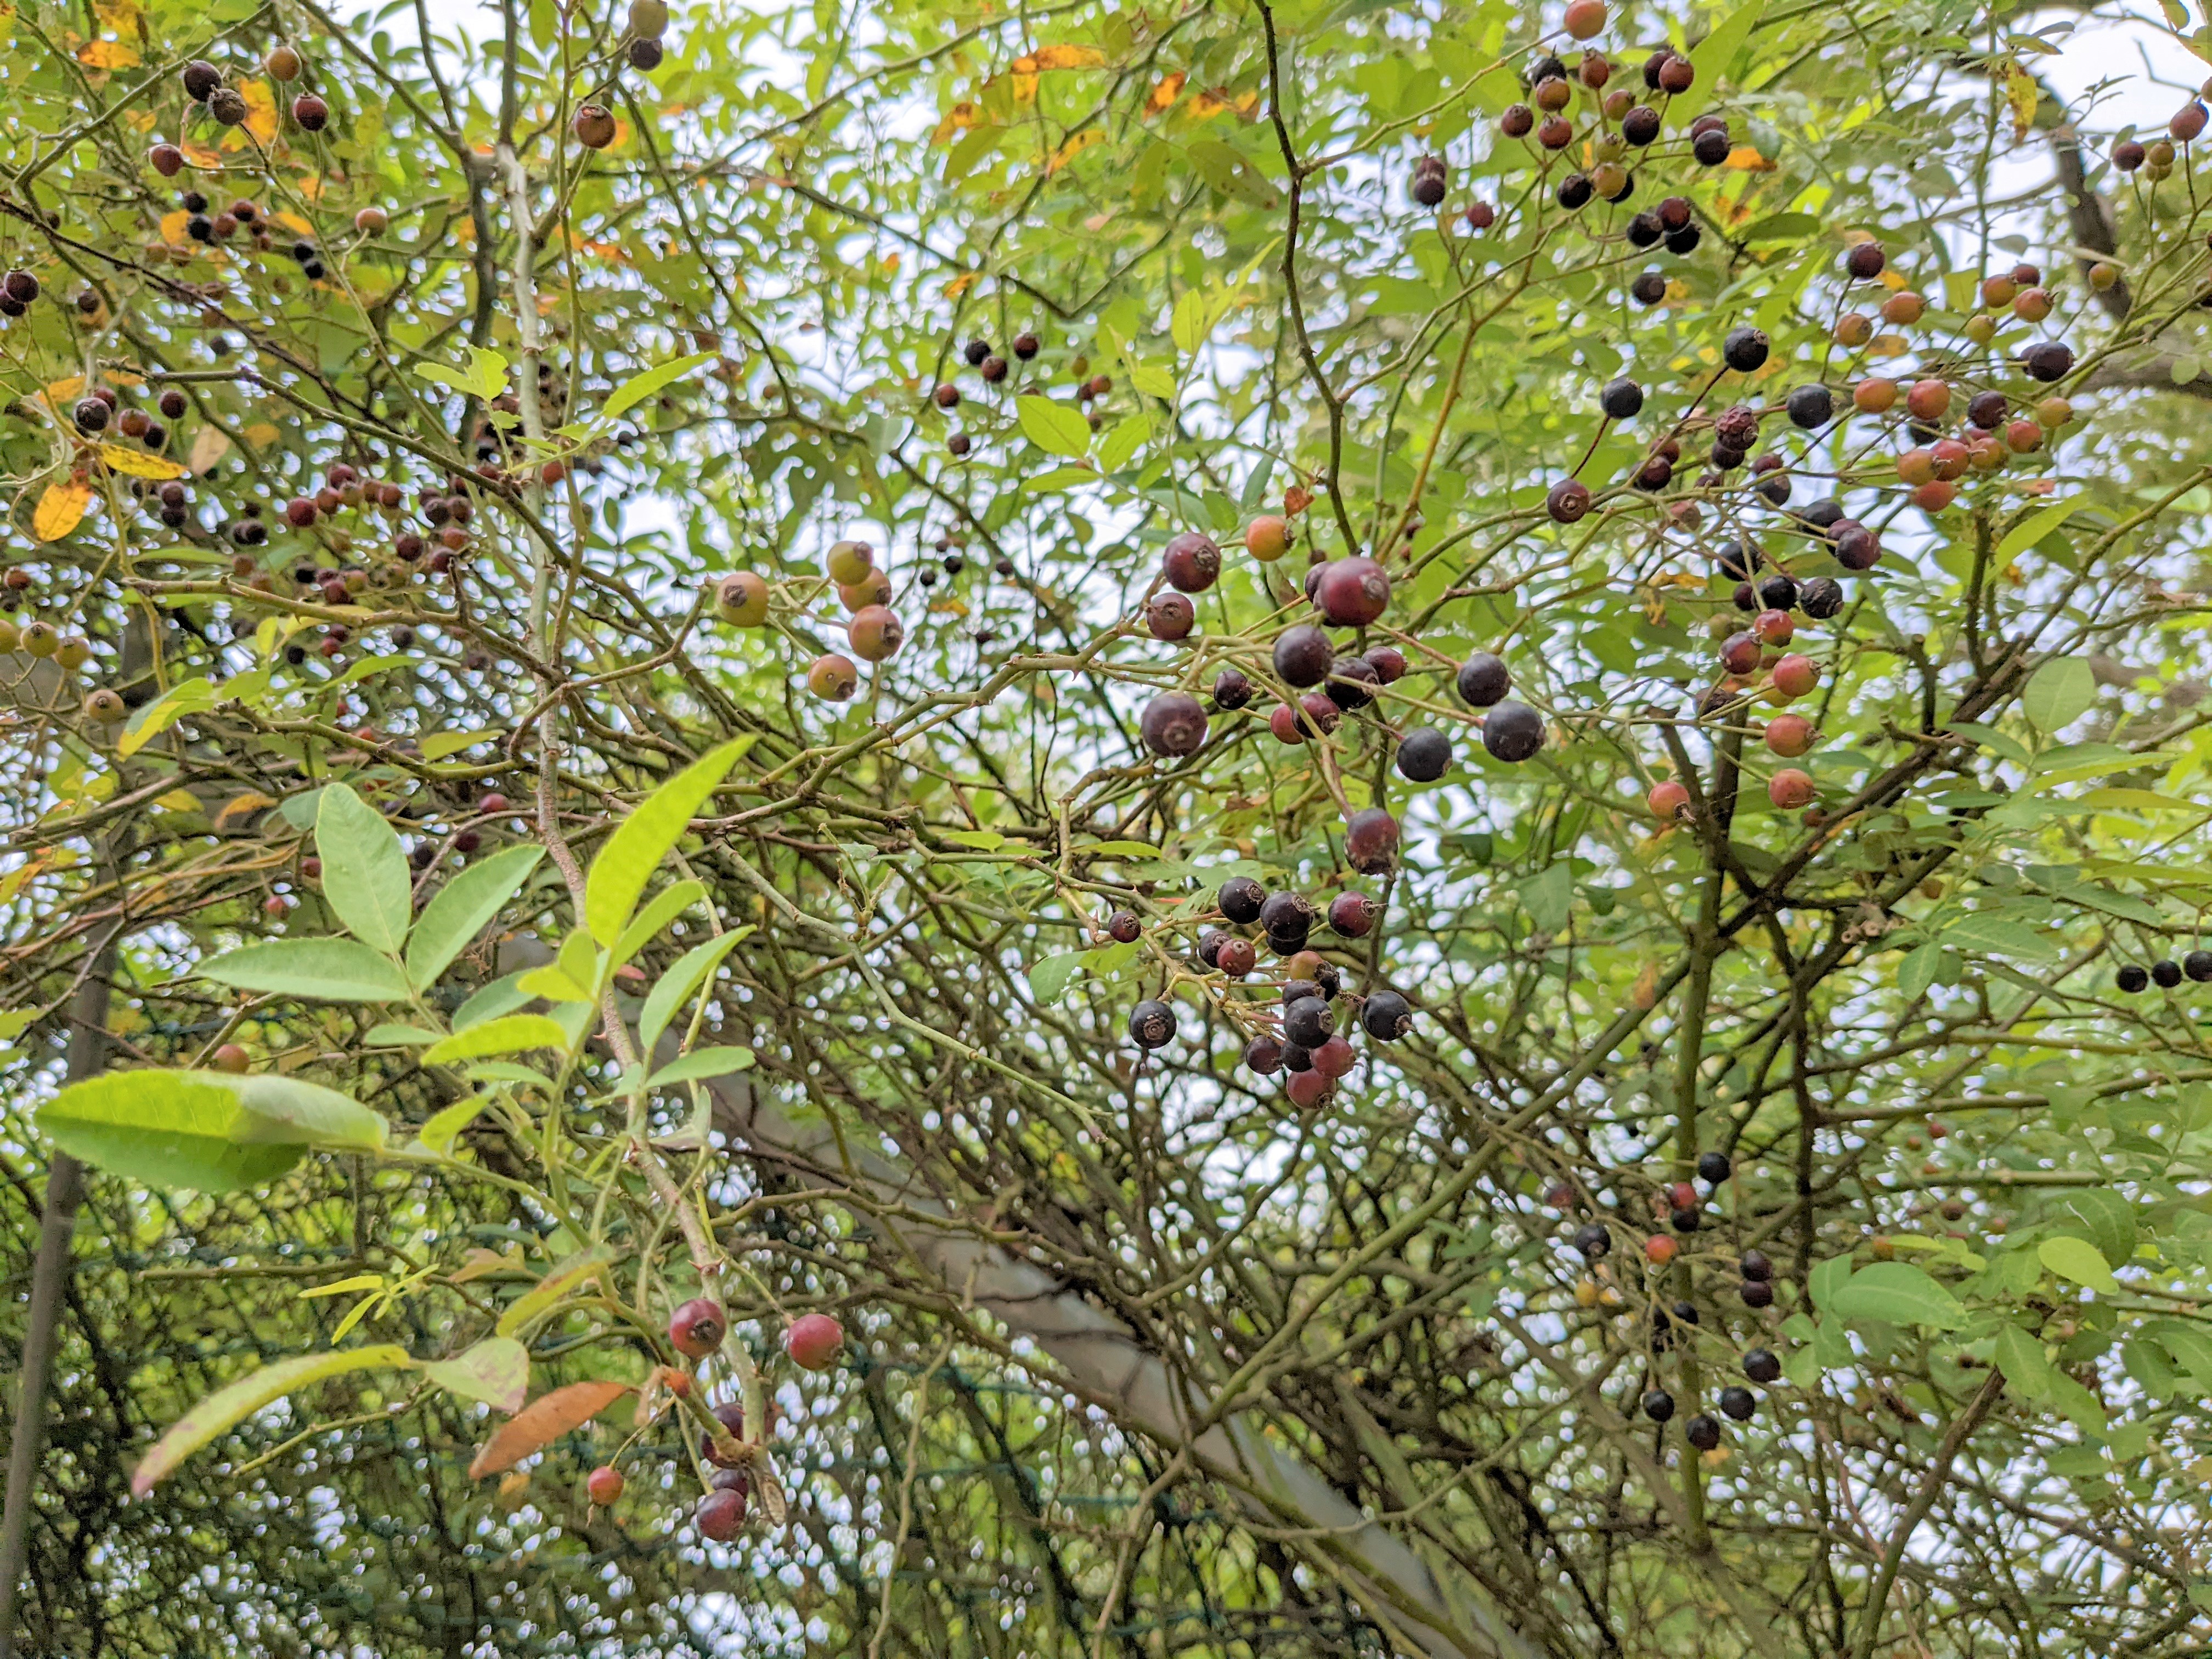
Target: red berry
697,1329
720,1515
604,1484
1669,799
814,1341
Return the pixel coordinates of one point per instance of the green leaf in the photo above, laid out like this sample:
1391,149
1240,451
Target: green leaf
670,903
2033,528
564,1278
1122,443
2080,1261
185,697
633,852
1188,326
365,879
2026,1366
228,1406
458,911
1918,971
700,1064
2107,1219
2191,1347
1049,977
1550,898
674,989
1153,380
1711,56
2058,693
1061,477
1828,1278
1991,936
636,389
501,996
207,1131
445,1126
983,841
512,1034
495,1370
485,377
1056,428
315,969
1899,1293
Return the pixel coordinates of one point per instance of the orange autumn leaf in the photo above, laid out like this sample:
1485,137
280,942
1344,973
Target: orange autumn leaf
1295,499
198,154
1170,89
1744,159
60,510
108,55
173,228
293,222
1026,88
262,434
960,284
66,390
543,1420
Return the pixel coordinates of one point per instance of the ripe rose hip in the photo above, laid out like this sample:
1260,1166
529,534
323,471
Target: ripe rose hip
1669,799
604,1484
1370,841
1790,789
1169,616
1789,735
1191,562
1173,725
697,1329
1352,914
1796,675
1659,1249
1773,627
1351,592
814,1341
1267,537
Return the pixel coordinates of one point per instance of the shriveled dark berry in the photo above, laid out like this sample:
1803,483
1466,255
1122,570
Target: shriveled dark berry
1386,1016
1241,899
1153,1023
1122,927
1232,690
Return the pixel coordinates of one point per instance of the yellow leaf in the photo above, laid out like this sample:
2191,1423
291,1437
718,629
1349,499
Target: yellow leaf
60,510
358,1282
108,55
1744,159
2020,96
198,154
251,801
138,464
1170,89
58,392
1059,58
293,222
958,118
260,111
1074,147
960,284
261,434
1026,88
121,16
180,800
210,444
173,228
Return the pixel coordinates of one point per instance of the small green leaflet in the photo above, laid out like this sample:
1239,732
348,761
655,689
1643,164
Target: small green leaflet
314,969
2078,1259
495,1370
1711,56
1057,428
641,841
636,389
485,377
228,1406
513,1034
1899,1293
2058,693
2034,528
701,1064
1188,325
185,697
674,987
365,879
1049,977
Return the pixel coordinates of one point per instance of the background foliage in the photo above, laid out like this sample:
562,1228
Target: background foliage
1977,1169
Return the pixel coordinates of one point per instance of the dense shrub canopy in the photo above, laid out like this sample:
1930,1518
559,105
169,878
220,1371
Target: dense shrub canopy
1777,1223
